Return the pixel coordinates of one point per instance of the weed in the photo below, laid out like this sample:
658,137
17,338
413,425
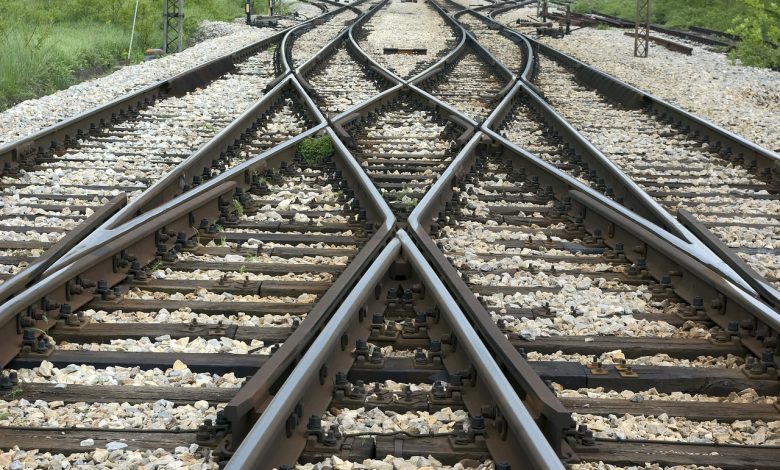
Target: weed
55,47
238,207
156,265
197,234
15,393
315,149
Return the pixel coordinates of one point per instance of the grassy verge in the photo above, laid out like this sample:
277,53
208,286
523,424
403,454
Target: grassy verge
756,21
51,45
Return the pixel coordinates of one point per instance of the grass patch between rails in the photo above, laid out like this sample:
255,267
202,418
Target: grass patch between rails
756,21
315,149
47,46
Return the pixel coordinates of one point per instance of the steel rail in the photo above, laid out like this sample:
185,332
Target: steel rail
694,245
175,180
259,440
453,52
766,161
618,90
71,128
540,454
509,6
485,50
359,24
172,183
662,217
343,37
58,286
238,175
492,61
728,303
658,215
32,273
736,306
511,34
756,280
302,69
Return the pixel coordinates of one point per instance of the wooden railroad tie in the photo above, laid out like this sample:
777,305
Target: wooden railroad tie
406,50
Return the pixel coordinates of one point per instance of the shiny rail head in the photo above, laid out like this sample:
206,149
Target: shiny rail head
398,290
111,254
60,134
695,277
401,94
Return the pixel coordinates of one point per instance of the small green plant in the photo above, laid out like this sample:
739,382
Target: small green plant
242,269
238,207
197,234
13,395
315,149
157,264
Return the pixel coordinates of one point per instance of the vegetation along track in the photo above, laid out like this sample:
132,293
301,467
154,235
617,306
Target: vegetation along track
380,262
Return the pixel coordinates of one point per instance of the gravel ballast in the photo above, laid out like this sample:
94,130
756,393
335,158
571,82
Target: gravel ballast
744,100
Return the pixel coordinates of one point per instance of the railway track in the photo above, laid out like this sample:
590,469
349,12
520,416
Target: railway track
382,257
406,47
680,170
60,188
597,325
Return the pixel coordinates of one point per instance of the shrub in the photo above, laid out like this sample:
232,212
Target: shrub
315,149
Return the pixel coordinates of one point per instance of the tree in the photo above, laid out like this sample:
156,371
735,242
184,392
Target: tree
759,28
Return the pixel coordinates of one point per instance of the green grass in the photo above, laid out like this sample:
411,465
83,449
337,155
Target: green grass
315,149
756,21
51,45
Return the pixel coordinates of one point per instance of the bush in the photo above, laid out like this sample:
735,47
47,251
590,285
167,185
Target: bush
51,45
315,149
757,22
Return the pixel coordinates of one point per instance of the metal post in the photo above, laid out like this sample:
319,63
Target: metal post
568,19
642,28
248,10
173,25
544,11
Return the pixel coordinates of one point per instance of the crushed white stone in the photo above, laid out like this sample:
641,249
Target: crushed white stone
192,458
178,375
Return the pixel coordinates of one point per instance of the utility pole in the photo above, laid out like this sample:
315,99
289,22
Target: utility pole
642,28
173,25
